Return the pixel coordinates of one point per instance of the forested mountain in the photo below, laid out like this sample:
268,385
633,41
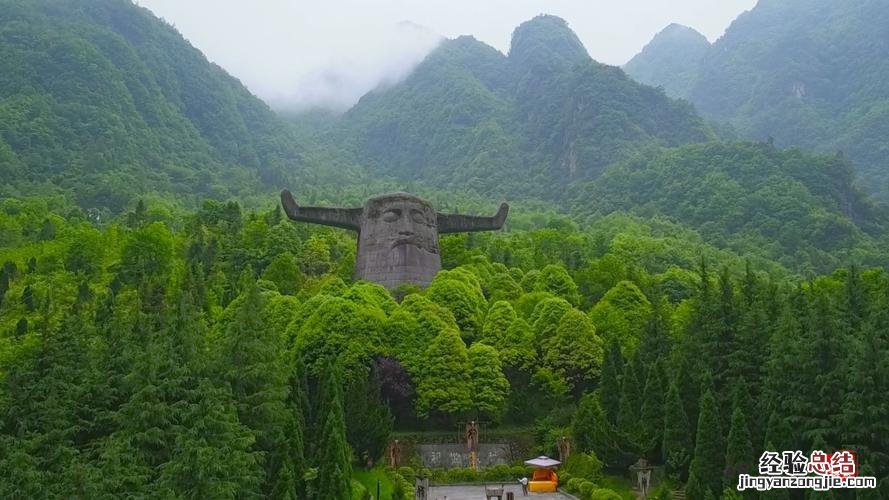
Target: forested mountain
803,72
547,121
671,60
106,101
797,208
523,124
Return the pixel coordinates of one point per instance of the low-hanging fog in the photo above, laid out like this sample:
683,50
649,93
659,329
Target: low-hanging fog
299,55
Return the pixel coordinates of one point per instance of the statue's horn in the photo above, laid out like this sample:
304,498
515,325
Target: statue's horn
457,223
346,218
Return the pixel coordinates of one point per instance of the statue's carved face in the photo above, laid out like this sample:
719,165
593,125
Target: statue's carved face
398,241
397,221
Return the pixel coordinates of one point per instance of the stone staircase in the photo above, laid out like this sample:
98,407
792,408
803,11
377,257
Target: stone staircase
679,494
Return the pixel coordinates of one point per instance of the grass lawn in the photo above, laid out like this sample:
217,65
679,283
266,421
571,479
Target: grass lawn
369,479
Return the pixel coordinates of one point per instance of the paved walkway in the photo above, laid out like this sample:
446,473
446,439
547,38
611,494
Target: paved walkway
478,493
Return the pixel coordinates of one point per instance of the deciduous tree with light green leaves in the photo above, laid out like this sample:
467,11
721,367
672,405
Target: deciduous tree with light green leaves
622,314
575,351
489,386
444,386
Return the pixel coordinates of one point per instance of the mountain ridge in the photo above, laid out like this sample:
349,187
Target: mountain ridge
545,111
808,74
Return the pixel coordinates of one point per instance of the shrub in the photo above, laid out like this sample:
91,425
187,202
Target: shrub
402,489
359,492
662,492
573,485
498,473
585,465
407,473
586,489
462,476
605,494
518,471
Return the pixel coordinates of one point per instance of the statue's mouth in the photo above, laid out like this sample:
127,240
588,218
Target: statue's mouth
414,242
406,241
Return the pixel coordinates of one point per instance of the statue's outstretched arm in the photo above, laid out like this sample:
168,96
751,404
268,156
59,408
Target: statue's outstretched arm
457,223
346,218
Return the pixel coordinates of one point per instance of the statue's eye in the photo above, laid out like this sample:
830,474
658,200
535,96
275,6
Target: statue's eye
418,217
391,215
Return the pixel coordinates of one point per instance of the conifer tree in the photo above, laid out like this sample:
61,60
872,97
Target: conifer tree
176,425
784,385
822,371
630,402
593,433
652,413
677,446
865,415
251,364
655,343
368,419
749,359
4,285
739,455
705,473
299,406
334,457
609,382
46,413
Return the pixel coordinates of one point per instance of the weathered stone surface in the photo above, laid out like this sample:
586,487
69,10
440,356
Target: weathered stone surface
397,234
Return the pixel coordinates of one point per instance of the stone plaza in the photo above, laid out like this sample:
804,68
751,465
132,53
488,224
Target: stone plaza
477,492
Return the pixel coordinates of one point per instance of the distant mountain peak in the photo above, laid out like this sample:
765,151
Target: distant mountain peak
546,42
681,29
670,60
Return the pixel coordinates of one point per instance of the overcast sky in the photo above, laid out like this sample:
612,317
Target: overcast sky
297,54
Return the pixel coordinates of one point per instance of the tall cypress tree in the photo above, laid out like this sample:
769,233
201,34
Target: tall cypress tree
784,385
725,342
628,418
652,413
609,382
334,467
822,371
865,408
299,406
705,473
4,284
368,419
677,445
45,414
252,365
174,430
655,344
739,458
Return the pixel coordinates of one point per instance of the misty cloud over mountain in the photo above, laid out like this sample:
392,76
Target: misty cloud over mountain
380,60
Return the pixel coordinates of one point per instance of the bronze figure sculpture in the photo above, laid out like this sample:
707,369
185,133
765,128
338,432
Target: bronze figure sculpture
397,234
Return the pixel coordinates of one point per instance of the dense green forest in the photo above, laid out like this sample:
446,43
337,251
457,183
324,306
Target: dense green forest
805,73
659,290
227,353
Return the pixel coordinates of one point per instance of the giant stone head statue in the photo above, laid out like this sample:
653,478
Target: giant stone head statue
397,234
